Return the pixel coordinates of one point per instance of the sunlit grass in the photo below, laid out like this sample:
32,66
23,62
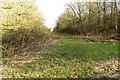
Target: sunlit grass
79,48
70,57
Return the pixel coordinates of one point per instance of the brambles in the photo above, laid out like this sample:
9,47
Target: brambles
23,28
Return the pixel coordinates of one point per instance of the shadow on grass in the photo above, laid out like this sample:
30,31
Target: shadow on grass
70,57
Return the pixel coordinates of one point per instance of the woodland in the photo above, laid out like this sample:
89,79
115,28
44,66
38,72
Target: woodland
83,43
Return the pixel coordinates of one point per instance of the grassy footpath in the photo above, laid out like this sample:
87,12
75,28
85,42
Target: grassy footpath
70,57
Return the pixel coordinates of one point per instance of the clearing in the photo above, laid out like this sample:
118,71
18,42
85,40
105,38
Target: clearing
71,56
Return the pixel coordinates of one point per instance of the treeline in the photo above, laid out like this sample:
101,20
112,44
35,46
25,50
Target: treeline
22,27
89,18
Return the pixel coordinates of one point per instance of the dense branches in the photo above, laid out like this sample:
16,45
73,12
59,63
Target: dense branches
90,18
22,25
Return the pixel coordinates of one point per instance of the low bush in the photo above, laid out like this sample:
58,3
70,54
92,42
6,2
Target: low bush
23,40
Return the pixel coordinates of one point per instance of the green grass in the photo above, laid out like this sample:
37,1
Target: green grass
75,47
70,57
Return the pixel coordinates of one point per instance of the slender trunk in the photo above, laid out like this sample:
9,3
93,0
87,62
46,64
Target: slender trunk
111,16
116,15
89,19
98,17
104,18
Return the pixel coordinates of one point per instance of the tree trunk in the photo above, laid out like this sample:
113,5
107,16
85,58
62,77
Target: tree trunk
104,18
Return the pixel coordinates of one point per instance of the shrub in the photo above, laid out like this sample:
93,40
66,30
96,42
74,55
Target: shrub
23,40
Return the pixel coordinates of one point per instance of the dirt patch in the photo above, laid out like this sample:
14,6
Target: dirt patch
108,68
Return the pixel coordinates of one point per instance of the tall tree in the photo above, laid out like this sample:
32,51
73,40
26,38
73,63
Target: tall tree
104,17
20,14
